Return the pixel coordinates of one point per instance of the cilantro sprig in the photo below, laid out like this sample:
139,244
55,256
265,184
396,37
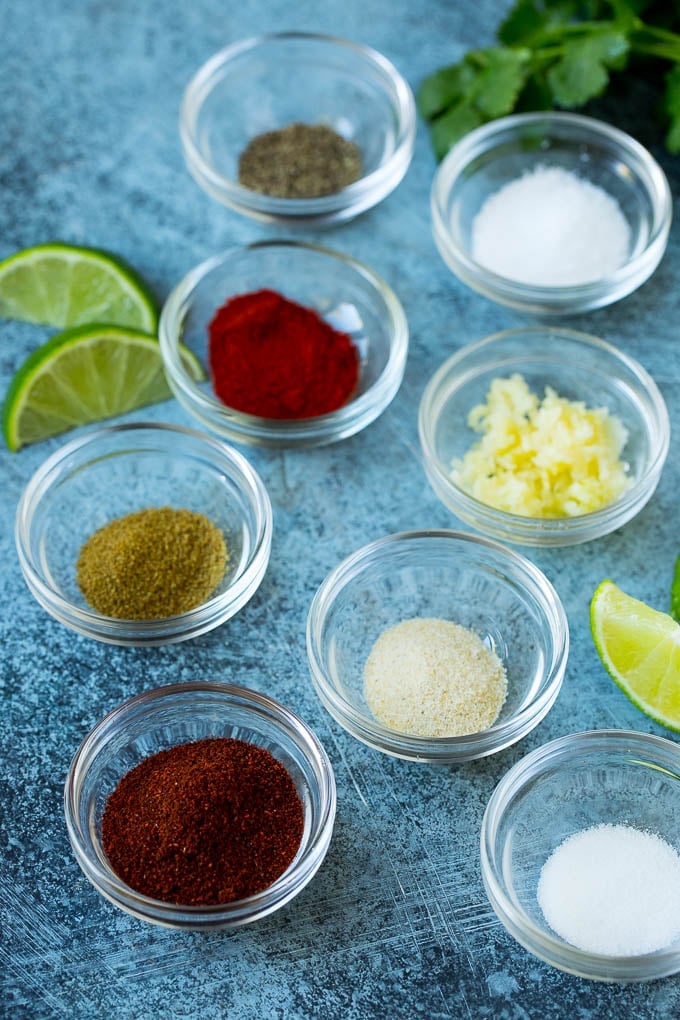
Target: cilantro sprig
554,53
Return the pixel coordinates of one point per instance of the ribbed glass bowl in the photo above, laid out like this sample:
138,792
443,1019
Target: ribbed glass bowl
349,295
496,593
109,472
270,81
577,366
575,782
499,152
176,714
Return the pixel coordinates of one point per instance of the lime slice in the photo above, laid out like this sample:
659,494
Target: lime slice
640,649
83,375
675,592
62,285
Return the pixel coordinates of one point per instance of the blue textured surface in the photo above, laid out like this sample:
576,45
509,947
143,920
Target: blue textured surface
396,923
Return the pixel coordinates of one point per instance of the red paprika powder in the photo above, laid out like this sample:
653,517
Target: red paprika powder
278,359
207,822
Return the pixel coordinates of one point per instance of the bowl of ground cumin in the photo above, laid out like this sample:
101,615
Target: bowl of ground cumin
298,128
200,805
144,534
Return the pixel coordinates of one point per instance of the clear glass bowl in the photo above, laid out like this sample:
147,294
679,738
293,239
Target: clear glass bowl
478,584
179,713
501,151
573,783
346,293
109,472
577,366
264,84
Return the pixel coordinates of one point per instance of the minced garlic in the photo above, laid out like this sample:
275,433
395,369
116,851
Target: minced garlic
542,458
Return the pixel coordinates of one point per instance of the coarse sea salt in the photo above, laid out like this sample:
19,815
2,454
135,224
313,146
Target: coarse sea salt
613,890
551,228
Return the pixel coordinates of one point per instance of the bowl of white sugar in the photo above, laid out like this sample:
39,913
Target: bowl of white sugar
580,853
551,213
437,646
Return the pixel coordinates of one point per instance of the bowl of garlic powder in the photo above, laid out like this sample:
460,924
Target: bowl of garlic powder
437,646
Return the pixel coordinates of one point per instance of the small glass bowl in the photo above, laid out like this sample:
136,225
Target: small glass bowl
573,783
503,150
268,82
494,592
113,471
349,295
176,714
577,366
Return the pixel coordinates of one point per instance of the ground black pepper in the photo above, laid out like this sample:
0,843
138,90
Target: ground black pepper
299,161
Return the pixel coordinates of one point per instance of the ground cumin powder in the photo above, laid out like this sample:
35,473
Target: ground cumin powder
152,564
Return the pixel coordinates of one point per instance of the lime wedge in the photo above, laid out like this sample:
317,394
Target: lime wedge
62,286
640,649
675,592
83,375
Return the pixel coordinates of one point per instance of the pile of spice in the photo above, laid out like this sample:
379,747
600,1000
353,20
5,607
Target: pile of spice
207,822
613,889
433,678
299,161
551,228
274,358
152,564
548,457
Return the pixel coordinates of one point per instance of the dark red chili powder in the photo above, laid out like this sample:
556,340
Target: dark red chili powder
206,822
278,359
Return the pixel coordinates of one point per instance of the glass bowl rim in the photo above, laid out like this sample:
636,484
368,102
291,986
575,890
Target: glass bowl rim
663,754
200,88
450,749
522,294
85,619
296,876
441,386
379,394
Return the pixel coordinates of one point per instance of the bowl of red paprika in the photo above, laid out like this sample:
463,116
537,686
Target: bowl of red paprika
302,346
200,805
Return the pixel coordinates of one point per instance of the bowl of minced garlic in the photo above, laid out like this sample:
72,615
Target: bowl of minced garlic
437,646
144,534
543,436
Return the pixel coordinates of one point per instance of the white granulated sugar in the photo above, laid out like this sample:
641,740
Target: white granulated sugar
551,227
614,890
433,678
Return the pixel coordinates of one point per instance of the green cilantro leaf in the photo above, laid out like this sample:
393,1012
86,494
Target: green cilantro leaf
444,88
672,108
583,70
500,80
452,126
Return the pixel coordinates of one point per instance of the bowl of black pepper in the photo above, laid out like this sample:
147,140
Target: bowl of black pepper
298,128
200,805
144,534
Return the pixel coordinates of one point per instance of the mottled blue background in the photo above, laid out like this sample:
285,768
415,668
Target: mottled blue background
396,923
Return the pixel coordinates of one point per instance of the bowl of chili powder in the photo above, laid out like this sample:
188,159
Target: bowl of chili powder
302,346
200,805
298,128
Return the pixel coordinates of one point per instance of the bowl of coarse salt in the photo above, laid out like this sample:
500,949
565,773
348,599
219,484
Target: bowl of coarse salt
580,854
551,213
437,646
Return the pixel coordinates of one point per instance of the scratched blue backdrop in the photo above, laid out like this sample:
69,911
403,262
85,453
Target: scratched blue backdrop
396,924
